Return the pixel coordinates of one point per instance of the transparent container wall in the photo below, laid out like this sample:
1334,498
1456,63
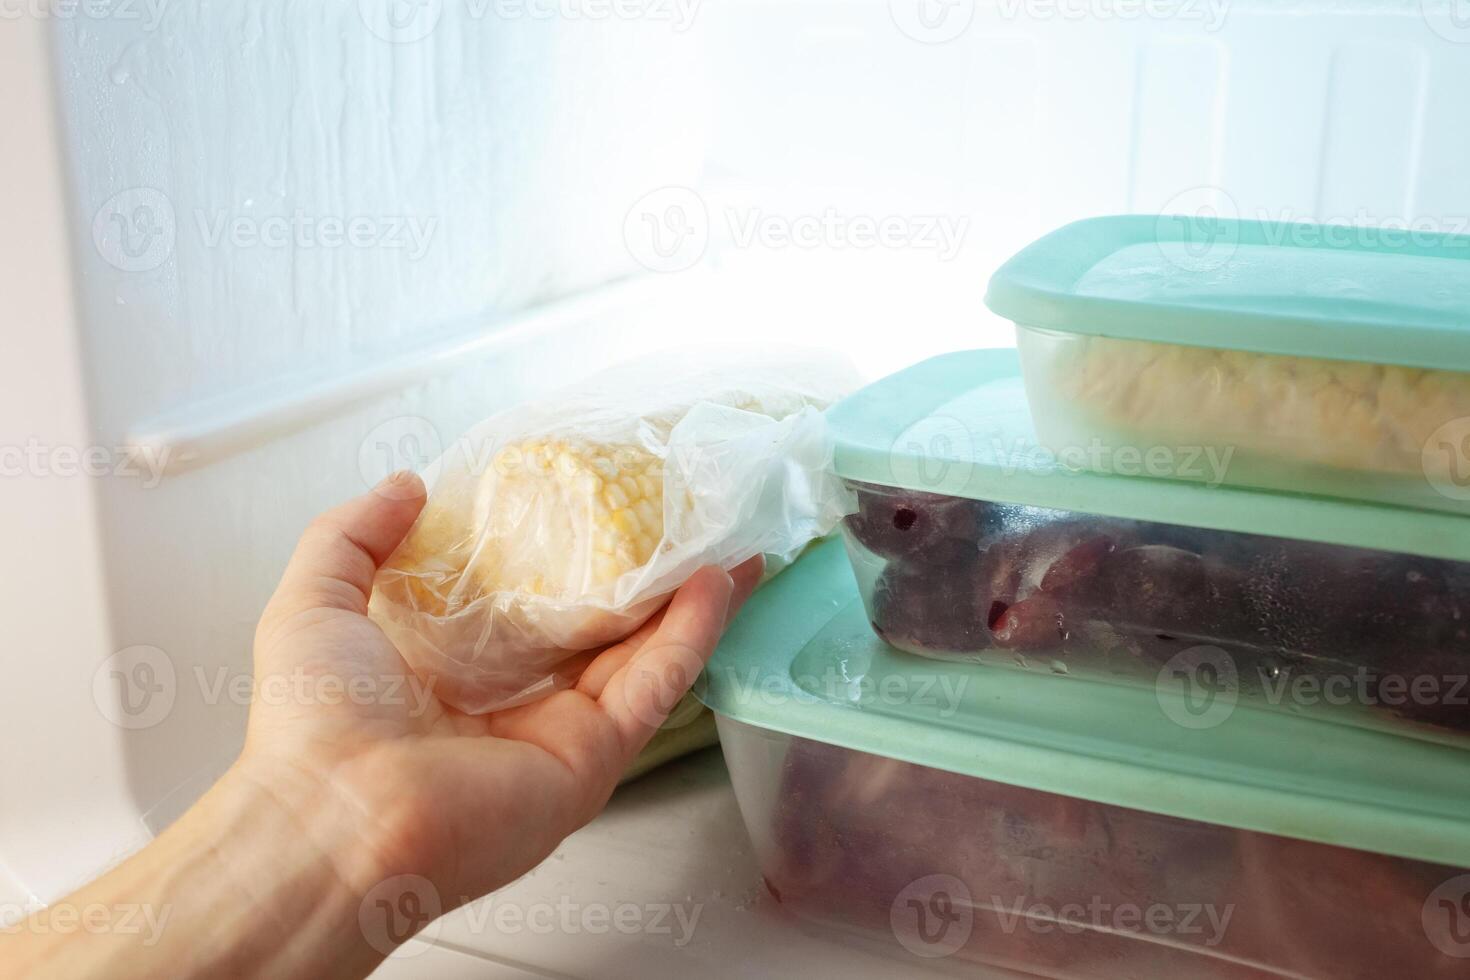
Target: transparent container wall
1340,428
1369,638
945,870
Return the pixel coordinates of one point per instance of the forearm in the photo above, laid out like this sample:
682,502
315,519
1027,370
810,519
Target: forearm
256,879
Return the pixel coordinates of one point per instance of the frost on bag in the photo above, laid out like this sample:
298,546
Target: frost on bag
562,525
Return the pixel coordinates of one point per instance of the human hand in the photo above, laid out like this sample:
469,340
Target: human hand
468,802
359,787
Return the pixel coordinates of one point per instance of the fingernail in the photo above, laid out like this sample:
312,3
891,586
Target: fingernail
395,479
729,589
403,485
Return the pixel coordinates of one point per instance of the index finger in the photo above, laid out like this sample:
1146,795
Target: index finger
639,697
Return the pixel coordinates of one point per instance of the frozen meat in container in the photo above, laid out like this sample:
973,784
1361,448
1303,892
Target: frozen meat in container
971,541
950,816
1315,358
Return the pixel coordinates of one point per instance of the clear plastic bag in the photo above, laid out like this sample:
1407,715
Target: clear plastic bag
562,525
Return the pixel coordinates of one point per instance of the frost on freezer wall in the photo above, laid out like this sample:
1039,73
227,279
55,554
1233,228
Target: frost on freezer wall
190,138
271,187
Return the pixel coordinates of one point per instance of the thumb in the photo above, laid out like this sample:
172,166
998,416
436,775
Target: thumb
340,551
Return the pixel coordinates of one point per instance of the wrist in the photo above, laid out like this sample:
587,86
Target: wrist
260,801
362,816
308,891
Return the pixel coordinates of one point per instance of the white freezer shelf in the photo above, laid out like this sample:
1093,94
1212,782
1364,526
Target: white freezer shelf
417,960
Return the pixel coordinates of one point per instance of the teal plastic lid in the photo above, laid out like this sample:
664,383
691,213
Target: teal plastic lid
958,424
1382,295
801,659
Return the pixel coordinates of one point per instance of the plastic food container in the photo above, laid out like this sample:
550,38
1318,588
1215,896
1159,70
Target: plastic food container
971,542
1318,359
950,816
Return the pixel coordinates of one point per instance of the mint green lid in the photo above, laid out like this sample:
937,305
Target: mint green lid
1383,295
958,424
801,659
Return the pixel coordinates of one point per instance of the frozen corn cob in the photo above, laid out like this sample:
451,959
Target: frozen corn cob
554,518
586,513
610,497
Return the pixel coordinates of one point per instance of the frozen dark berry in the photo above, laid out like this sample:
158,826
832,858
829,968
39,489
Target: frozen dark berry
1046,540
999,575
1155,587
914,526
917,608
1077,566
1034,623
